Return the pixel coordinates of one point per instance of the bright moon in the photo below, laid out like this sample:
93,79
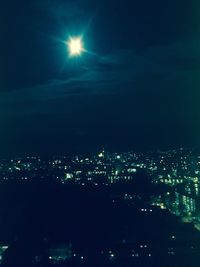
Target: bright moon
75,46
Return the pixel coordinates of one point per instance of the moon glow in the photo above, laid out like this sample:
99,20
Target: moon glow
75,46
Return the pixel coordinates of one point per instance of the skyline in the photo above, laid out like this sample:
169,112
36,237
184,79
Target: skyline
136,89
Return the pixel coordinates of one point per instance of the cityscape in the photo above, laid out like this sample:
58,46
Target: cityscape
147,188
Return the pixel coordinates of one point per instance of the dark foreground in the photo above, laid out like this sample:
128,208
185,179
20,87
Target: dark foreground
48,224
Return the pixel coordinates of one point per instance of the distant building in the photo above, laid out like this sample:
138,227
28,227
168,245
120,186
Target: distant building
60,252
3,248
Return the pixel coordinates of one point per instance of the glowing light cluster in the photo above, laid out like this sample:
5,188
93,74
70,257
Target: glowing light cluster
75,46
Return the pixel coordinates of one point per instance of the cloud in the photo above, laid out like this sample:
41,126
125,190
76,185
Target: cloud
180,55
60,9
65,14
127,72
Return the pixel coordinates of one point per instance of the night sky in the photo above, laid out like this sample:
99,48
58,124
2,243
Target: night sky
136,86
